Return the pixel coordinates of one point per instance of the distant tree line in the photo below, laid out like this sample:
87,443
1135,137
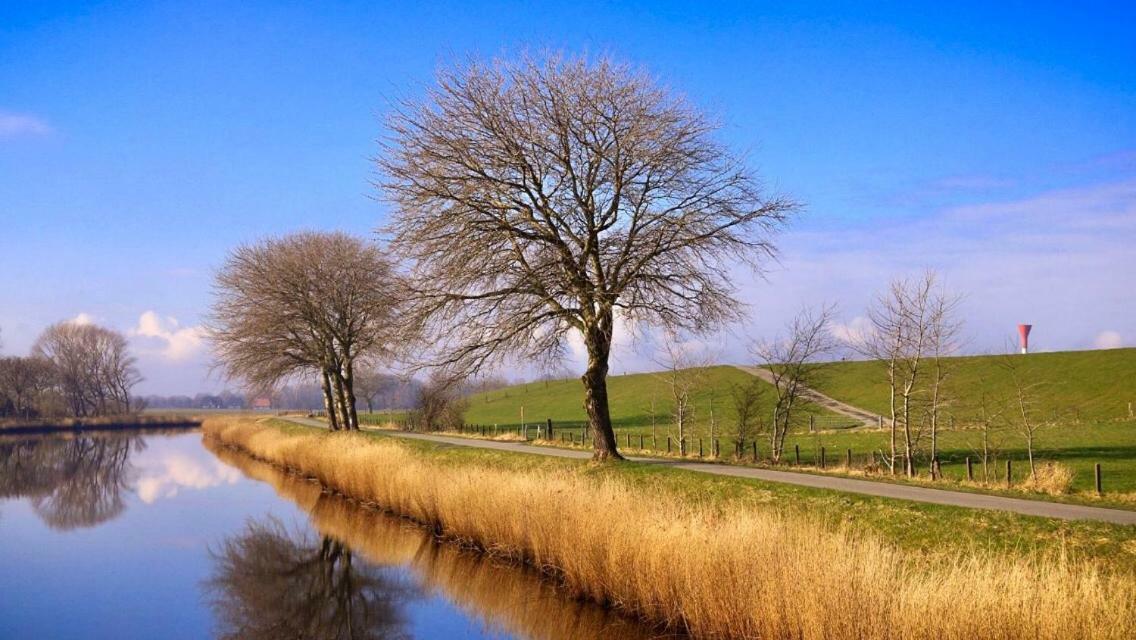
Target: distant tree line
78,370
223,400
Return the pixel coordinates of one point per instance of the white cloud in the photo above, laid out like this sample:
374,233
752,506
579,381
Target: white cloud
166,338
1108,340
82,319
177,472
17,124
1061,260
854,332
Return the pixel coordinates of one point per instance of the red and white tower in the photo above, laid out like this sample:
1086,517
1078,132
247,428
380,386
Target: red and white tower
1023,333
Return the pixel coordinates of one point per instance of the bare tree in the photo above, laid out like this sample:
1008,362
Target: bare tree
306,304
793,362
23,385
535,198
1023,400
945,330
990,410
92,365
911,322
747,406
683,373
440,404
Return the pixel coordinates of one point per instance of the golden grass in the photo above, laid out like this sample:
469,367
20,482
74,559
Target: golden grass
1052,478
501,595
731,574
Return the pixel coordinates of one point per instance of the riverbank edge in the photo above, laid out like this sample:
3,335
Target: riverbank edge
639,562
114,423
443,536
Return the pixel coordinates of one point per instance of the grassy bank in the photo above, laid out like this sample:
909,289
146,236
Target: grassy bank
1082,398
505,597
1067,385
689,557
631,398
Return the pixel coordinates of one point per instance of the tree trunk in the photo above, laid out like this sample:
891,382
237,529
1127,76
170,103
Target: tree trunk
349,388
341,399
329,402
598,341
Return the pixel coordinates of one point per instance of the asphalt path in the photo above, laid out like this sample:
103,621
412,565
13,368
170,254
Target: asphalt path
835,483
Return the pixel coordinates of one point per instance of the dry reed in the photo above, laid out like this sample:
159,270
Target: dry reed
745,574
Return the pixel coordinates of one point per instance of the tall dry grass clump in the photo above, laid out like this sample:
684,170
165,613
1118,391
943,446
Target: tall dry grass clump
1051,478
726,574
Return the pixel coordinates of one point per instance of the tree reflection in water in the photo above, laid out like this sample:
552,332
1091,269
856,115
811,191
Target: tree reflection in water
71,481
507,599
269,583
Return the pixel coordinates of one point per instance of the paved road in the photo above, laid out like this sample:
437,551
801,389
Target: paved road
866,418
835,483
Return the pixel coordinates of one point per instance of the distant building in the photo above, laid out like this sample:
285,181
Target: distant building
261,403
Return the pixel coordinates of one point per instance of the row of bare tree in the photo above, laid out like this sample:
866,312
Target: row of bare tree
81,370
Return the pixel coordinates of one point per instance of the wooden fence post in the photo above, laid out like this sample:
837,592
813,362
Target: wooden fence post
550,428
969,470
755,451
700,447
797,449
640,442
1097,477
849,465
628,439
822,457
1009,477
668,444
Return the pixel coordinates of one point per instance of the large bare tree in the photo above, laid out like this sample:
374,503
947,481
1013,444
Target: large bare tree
541,196
310,303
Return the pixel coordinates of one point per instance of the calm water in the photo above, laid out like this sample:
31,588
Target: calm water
163,536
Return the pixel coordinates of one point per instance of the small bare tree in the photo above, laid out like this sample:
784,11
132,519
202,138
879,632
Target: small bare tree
945,330
990,411
1022,401
440,404
747,408
911,322
793,362
684,374
534,198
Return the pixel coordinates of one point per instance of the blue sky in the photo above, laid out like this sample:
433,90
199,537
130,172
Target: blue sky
140,141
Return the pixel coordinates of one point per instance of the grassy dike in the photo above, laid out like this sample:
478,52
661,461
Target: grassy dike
730,558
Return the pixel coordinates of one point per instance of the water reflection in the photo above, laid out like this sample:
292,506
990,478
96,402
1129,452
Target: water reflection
272,584
70,482
506,599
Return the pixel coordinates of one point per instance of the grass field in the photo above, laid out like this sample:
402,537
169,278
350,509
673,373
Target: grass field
1069,385
722,555
631,399
1082,398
